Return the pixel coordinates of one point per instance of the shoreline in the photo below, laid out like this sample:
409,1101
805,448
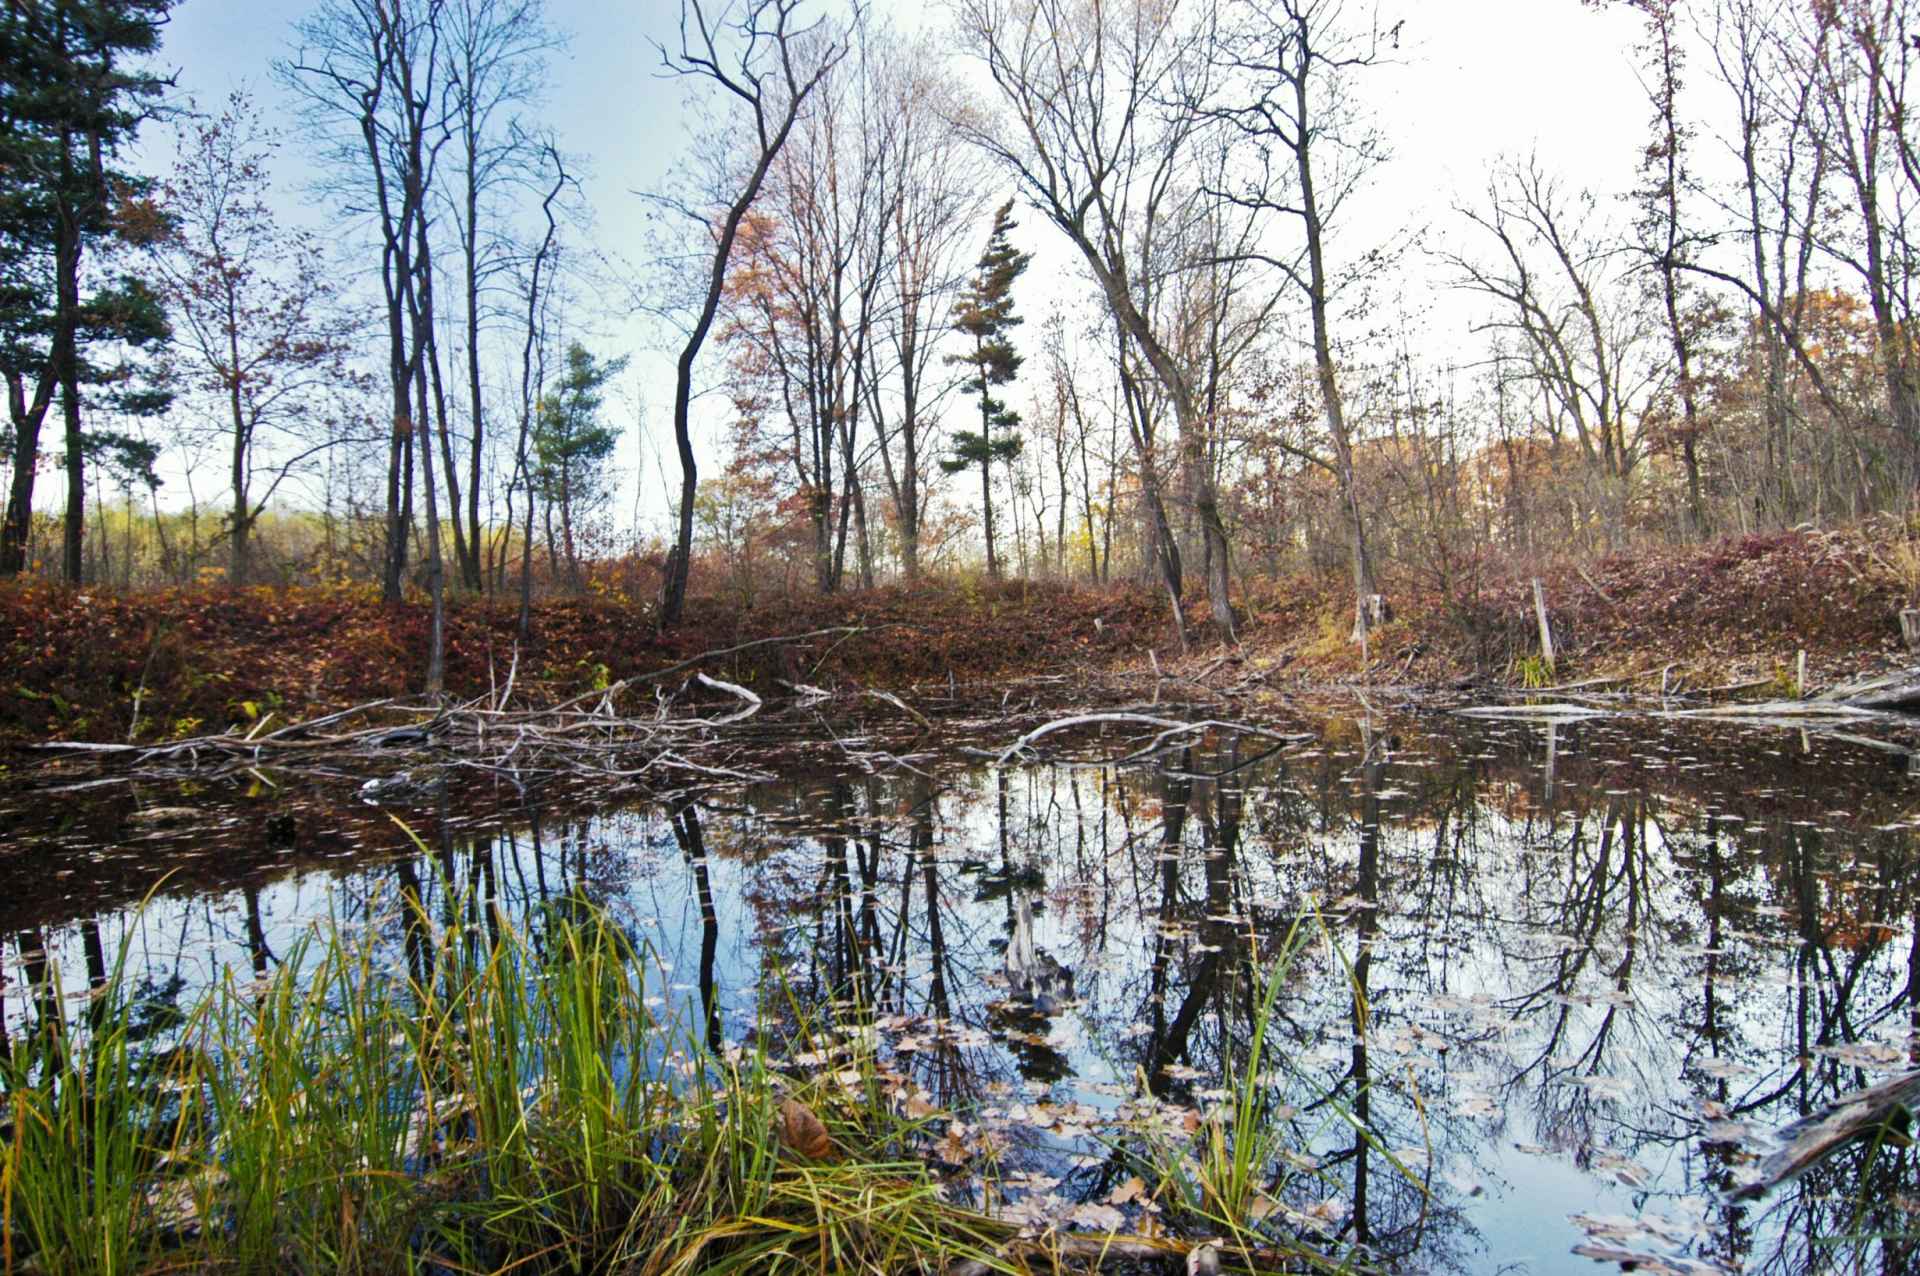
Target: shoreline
1732,619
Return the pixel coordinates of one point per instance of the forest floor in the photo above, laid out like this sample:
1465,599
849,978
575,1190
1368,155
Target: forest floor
98,665
1697,618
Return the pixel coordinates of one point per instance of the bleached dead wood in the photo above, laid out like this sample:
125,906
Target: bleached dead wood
1899,690
1170,729
1799,712
732,689
1554,711
887,697
1813,1138
1546,629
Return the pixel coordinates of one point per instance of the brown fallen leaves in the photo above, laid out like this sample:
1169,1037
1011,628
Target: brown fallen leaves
803,1133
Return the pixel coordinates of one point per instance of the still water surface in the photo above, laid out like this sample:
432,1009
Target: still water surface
1561,976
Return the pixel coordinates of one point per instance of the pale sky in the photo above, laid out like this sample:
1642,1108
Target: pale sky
1478,79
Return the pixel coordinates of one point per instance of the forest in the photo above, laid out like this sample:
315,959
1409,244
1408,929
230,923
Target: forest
1242,370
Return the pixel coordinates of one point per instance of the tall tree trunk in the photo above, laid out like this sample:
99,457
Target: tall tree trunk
421,305
443,429
1327,375
566,526
74,528
909,510
240,567
476,404
986,473
18,527
29,416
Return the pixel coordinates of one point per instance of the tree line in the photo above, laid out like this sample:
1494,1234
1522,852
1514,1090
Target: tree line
1045,280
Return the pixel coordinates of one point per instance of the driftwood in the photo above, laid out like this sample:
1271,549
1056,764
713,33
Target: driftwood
1899,690
1550,712
1546,629
1813,1138
1799,712
1172,728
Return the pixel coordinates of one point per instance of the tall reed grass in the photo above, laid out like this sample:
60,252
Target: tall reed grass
503,1099
462,1095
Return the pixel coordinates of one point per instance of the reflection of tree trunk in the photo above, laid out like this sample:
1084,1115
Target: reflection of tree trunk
847,958
1166,1043
487,898
414,907
96,957
686,831
948,1076
937,994
1366,925
1913,990
32,947
1216,933
257,935
1719,1157
539,854
1553,756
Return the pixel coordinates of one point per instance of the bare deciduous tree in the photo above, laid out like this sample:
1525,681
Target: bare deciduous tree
755,52
1099,129
254,310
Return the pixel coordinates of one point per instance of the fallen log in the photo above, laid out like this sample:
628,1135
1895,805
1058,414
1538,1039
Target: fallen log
1552,712
1813,1138
1799,712
1899,690
1172,727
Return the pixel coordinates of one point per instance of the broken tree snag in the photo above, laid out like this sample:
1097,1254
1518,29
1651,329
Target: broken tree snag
1546,630
1910,628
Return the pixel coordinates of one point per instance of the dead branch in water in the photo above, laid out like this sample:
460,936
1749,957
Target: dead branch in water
1172,728
602,731
1878,1109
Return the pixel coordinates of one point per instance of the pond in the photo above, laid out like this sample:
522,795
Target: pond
1541,986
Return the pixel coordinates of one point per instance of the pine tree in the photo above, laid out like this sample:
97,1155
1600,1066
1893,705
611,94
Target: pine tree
985,313
571,445
68,104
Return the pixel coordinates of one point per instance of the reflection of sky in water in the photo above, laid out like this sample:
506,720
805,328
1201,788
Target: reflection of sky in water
1567,979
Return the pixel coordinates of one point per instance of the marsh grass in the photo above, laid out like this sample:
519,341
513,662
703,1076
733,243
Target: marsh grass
501,1099
460,1095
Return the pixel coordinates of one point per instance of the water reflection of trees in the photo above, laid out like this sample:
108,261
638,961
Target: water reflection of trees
1572,940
